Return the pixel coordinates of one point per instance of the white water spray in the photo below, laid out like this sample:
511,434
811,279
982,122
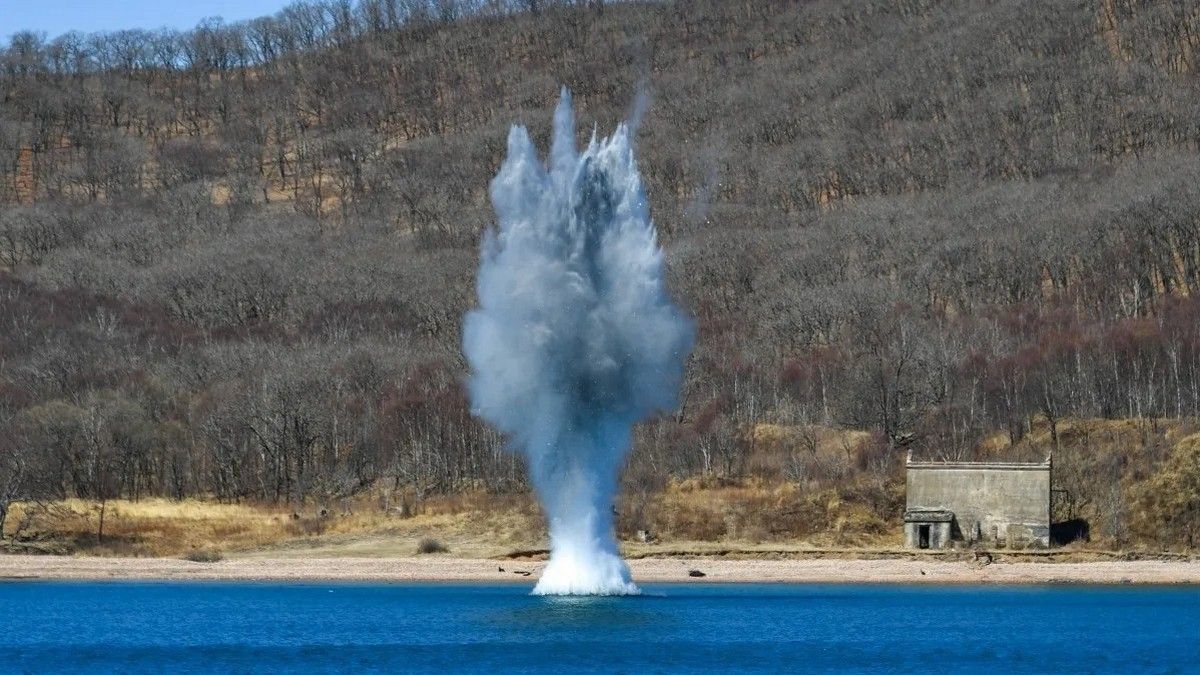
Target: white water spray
575,338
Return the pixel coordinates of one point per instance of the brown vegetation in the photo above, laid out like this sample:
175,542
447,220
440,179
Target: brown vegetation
431,545
851,508
204,556
233,260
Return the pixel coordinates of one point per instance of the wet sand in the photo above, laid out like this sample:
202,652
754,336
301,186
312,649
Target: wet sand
649,570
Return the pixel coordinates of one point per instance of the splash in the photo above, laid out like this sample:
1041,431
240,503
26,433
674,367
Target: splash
575,337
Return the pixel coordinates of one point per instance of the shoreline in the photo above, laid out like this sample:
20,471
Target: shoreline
436,569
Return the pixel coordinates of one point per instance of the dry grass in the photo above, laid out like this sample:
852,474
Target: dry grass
469,524
1166,506
1104,435
846,508
155,527
756,510
204,556
804,452
742,513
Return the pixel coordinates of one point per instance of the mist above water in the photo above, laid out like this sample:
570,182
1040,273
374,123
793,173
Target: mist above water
575,338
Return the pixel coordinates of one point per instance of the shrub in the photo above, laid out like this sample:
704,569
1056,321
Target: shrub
204,556
431,545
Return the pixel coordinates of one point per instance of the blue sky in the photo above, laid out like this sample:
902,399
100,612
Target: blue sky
55,17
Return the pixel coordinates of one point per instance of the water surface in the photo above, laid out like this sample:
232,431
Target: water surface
241,627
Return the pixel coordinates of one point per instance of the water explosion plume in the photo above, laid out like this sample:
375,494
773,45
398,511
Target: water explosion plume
575,338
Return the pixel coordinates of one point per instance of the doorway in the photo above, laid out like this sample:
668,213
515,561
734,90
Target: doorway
922,536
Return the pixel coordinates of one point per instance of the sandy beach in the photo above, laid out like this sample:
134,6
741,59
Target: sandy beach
651,570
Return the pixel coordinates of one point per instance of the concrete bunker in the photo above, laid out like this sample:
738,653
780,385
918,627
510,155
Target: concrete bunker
997,504
927,528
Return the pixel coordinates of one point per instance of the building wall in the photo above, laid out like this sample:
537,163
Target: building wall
1011,502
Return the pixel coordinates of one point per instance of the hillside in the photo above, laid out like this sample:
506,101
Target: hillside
234,261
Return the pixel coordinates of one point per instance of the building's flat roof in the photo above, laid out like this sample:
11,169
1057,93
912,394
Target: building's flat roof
1007,466
934,464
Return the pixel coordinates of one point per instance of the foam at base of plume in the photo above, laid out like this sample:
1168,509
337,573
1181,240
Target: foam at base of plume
604,574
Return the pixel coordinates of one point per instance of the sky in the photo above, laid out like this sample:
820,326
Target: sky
55,17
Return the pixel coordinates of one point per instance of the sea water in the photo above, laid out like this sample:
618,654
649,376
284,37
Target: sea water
244,627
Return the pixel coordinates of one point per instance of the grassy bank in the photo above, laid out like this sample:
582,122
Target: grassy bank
807,494
468,525
694,516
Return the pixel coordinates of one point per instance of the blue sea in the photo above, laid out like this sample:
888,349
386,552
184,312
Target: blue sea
303,628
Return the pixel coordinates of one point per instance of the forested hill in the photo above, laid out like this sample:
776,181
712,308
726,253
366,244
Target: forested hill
234,260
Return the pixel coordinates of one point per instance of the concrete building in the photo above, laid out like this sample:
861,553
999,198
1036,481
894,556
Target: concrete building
996,503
